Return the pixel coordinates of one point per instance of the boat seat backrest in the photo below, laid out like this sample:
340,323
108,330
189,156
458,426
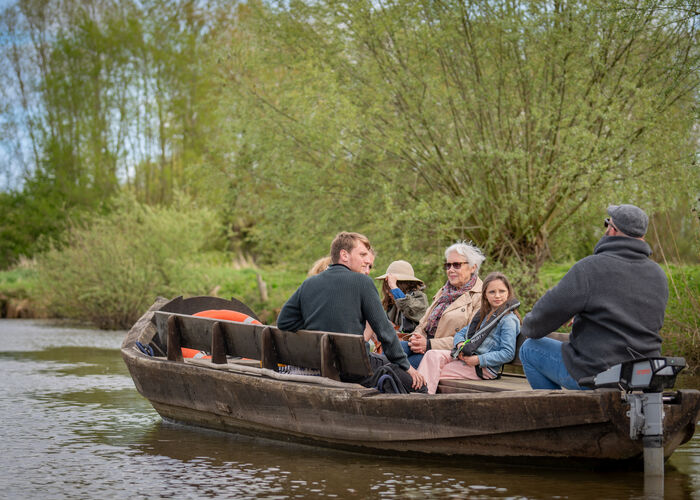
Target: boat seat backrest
331,353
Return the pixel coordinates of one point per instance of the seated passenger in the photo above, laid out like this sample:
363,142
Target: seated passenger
320,265
403,298
617,297
342,299
496,349
371,338
454,304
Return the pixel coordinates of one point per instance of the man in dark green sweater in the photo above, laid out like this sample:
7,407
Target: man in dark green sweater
341,299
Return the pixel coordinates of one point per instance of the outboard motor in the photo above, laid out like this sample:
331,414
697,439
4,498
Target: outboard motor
643,381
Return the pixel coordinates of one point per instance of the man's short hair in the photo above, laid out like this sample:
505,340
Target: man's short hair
347,241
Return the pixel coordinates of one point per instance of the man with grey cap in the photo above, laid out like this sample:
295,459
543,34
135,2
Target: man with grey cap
617,297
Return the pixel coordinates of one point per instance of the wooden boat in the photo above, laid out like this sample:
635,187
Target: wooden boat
250,396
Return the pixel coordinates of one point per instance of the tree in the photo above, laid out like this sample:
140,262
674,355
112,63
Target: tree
498,122
109,94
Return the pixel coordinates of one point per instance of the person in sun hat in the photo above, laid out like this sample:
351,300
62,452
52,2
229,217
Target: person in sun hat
403,300
403,297
617,297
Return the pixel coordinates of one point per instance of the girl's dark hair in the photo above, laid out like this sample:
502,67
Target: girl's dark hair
405,286
486,308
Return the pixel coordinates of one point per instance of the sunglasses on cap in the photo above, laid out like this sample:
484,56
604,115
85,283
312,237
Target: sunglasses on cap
456,265
608,222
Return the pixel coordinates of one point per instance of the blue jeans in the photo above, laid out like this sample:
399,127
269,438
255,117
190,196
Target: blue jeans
413,358
544,365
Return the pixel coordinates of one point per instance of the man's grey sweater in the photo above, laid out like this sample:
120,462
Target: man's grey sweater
340,300
617,297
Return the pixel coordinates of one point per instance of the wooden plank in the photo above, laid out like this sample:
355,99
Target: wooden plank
242,340
244,362
328,358
351,354
268,352
300,348
195,333
174,340
505,383
218,344
303,348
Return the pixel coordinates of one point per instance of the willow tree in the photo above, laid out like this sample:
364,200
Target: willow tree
498,121
100,94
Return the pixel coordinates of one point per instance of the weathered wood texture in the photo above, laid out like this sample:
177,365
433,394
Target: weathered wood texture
507,382
332,353
589,425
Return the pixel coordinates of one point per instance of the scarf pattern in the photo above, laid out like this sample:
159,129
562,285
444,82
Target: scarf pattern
448,296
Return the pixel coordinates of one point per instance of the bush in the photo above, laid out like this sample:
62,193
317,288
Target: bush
110,271
227,281
19,283
681,329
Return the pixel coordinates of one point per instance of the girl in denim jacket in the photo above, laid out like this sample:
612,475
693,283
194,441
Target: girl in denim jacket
498,348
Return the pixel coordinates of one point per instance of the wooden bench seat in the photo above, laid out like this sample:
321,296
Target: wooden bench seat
507,382
331,353
261,346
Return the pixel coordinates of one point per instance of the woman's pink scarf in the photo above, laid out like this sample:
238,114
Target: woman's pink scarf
448,296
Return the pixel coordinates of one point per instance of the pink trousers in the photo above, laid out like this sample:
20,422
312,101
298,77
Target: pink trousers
438,363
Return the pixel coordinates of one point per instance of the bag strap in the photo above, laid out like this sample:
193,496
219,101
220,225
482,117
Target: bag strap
470,345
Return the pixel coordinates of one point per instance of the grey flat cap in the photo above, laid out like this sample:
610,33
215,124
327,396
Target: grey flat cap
629,219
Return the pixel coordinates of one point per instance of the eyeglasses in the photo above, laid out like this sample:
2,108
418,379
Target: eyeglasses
456,265
608,222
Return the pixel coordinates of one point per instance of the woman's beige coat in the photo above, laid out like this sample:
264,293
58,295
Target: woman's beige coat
457,315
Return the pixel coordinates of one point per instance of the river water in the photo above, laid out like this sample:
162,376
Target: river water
73,426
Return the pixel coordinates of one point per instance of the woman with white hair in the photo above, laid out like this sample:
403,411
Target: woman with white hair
454,305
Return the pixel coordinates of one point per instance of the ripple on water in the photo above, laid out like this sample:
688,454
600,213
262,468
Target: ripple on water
75,427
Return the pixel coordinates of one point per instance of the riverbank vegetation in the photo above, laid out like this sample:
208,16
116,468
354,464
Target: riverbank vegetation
81,281
217,147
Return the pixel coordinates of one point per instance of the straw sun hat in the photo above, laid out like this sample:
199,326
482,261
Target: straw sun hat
402,270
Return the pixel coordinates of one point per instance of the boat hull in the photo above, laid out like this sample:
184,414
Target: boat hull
579,425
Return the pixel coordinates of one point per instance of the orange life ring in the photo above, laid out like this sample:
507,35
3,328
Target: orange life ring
228,315
194,353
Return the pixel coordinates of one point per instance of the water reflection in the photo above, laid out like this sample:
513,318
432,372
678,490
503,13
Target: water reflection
330,473
75,427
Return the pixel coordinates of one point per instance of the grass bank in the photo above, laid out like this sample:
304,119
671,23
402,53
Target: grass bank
18,292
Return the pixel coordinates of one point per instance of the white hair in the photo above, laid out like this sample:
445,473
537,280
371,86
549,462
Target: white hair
469,251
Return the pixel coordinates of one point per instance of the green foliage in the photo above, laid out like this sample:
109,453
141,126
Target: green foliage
101,95
19,283
227,281
110,271
420,123
681,329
